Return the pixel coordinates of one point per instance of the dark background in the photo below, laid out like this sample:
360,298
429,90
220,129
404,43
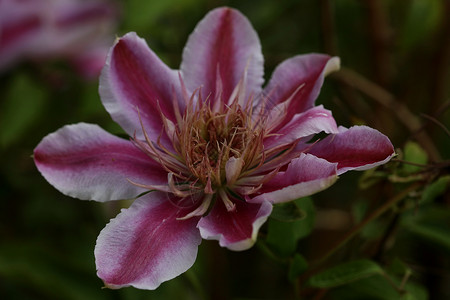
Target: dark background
395,78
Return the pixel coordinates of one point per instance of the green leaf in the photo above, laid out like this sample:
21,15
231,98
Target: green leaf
436,188
20,109
282,237
434,234
143,14
297,266
345,273
379,288
370,178
431,224
287,212
427,13
415,154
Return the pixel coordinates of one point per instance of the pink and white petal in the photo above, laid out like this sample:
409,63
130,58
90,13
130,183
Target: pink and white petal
20,27
238,229
224,44
310,122
135,79
146,245
356,148
74,26
73,14
304,176
305,71
90,62
86,162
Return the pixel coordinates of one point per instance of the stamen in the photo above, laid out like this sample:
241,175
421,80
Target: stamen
201,209
176,191
230,206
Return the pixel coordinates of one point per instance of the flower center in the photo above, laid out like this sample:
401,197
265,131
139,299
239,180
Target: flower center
209,139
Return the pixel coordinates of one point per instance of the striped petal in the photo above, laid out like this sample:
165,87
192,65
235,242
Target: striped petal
236,229
222,47
312,121
304,176
299,80
86,162
356,148
146,244
135,80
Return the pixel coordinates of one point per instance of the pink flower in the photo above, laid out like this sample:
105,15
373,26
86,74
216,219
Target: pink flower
78,31
217,149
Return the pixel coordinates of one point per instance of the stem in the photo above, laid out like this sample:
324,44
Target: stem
387,234
435,121
378,212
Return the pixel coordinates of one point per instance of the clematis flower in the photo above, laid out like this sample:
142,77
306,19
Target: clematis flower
215,149
80,32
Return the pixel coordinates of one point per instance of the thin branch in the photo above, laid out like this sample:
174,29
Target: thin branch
386,99
374,215
435,121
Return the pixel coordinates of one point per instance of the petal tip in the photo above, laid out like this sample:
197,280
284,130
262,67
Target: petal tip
333,65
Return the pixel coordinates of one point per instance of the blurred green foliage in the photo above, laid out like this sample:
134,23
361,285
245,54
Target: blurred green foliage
401,46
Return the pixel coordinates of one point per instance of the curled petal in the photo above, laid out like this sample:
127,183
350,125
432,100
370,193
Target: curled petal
312,121
146,244
222,47
308,70
86,162
356,148
304,176
238,229
133,79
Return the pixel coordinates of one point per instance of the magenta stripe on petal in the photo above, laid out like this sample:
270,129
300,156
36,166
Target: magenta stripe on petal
312,121
86,162
238,229
307,71
10,33
223,44
135,79
304,176
356,148
146,245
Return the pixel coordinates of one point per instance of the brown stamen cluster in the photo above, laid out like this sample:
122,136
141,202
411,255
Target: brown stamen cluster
208,139
217,151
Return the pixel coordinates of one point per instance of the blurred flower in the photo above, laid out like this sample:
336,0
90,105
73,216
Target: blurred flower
215,148
78,31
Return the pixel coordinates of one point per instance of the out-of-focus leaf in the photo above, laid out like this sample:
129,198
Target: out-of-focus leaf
21,108
36,268
372,230
345,273
297,266
287,212
141,14
431,224
379,288
427,13
398,267
415,154
436,235
282,237
436,189
370,177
